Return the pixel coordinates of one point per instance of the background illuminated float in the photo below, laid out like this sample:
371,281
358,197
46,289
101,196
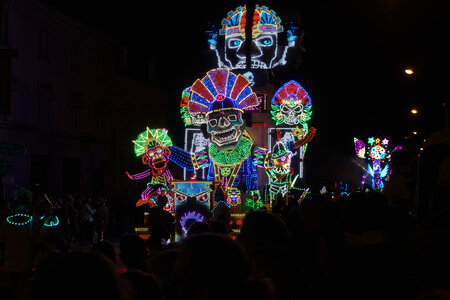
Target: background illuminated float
377,153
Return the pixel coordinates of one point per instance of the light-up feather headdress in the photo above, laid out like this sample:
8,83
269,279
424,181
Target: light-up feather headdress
149,138
219,90
292,91
265,20
291,94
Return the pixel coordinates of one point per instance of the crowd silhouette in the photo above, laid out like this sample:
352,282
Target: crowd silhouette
361,245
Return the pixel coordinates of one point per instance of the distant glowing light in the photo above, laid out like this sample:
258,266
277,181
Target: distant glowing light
409,71
414,111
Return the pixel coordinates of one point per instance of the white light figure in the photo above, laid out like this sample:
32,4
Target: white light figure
199,142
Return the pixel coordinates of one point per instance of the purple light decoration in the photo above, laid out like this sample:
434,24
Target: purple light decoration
190,215
359,147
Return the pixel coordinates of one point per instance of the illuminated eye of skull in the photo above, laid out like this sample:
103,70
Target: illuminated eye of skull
291,113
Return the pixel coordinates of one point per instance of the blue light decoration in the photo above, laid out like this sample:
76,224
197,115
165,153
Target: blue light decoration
377,153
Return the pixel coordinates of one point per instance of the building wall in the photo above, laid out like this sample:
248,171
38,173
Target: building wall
67,104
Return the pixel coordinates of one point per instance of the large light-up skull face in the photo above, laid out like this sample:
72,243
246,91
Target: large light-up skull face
263,51
225,128
262,48
291,112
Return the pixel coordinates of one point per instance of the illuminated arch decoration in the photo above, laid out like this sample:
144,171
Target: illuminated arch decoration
153,146
267,52
377,153
191,216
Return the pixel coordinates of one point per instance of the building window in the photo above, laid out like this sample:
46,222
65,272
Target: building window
43,44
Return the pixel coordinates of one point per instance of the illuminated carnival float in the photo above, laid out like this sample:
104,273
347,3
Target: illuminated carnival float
234,158
377,153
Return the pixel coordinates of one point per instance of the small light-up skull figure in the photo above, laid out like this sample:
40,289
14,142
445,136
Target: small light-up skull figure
188,117
291,105
264,51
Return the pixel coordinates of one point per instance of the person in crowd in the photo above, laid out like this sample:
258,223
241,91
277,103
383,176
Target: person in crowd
206,261
133,252
79,274
19,241
160,225
144,286
87,224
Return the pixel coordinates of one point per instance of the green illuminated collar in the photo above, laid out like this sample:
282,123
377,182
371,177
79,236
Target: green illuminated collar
226,158
19,219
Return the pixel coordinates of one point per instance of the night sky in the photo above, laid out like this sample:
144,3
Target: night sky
352,68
